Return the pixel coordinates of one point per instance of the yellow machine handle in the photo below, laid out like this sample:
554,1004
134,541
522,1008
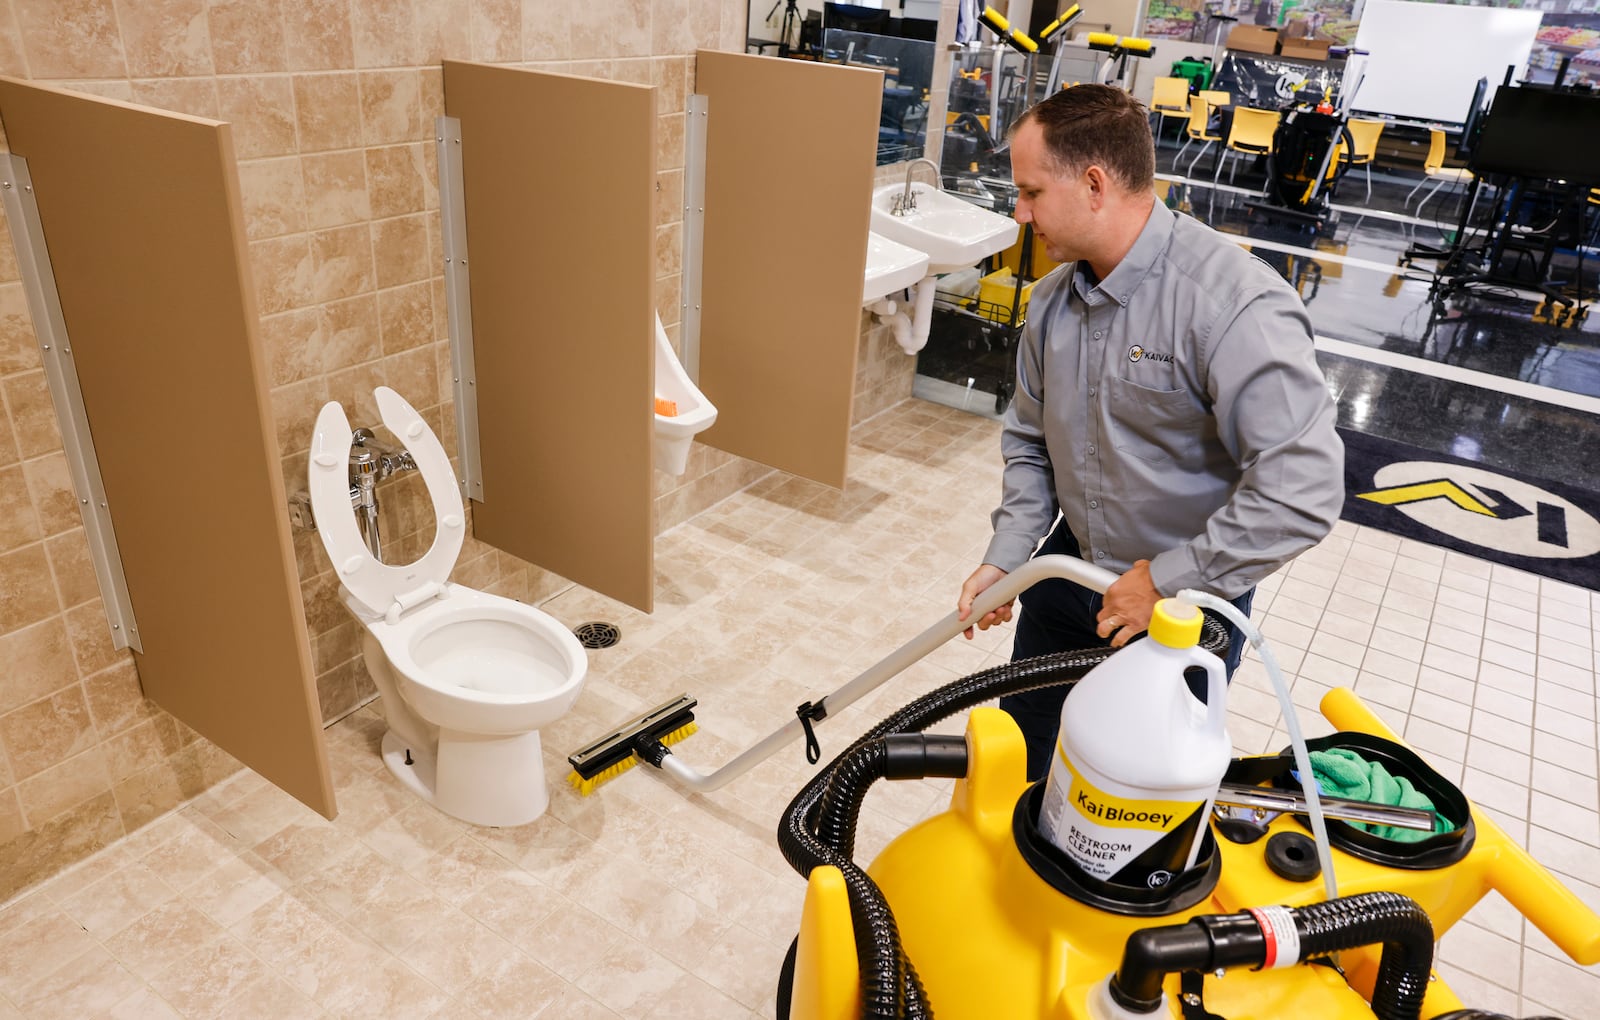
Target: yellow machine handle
827,979
1534,891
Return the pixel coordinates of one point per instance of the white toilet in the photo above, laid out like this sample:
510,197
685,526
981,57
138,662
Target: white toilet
467,677
695,414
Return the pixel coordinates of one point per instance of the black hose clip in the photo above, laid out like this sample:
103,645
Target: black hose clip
808,711
1191,987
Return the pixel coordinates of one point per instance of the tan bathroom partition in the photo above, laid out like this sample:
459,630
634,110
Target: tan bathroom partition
559,181
141,215
790,151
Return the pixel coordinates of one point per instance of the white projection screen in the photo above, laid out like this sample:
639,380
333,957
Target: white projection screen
1426,58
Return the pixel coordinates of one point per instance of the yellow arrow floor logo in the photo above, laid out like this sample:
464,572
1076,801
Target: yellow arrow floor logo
1479,507
1397,495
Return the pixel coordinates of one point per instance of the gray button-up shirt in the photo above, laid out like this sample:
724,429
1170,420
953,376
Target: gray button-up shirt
1172,412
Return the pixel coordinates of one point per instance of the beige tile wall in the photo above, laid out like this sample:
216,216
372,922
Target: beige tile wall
332,103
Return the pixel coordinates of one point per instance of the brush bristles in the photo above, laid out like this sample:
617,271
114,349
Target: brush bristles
585,787
683,732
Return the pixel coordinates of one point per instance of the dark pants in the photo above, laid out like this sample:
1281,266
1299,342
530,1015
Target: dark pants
1059,616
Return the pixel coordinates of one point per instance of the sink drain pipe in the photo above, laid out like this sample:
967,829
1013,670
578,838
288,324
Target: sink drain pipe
910,328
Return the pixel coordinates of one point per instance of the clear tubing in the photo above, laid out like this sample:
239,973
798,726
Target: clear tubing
1302,757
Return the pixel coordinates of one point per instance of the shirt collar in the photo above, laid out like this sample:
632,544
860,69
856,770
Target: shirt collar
1120,285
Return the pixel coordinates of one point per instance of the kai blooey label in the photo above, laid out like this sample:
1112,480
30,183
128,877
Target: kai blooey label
1105,834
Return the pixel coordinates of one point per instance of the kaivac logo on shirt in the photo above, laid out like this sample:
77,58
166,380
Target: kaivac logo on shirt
1137,353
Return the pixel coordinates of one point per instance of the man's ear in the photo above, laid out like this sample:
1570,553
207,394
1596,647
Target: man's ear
1097,180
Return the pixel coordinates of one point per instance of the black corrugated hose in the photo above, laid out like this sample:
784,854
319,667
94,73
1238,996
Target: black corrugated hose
1213,941
890,989
1479,1014
1398,922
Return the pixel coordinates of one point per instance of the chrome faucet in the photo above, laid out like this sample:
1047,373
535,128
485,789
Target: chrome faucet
906,202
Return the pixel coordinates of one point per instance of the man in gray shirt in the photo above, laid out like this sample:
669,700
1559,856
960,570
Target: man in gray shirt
1168,403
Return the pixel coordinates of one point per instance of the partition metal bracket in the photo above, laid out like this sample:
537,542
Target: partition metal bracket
50,328
694,232
458,299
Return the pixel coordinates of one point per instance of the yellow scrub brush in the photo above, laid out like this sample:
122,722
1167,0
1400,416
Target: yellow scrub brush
646,736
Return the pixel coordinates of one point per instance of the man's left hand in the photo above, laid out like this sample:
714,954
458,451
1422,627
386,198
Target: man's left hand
1129,601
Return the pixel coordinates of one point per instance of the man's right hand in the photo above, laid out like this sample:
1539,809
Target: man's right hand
986,575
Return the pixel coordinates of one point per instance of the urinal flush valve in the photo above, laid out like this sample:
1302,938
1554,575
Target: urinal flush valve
370,459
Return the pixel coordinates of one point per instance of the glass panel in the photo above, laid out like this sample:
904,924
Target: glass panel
907,66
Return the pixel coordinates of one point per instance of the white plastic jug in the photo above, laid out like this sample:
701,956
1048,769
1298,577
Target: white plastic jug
1138,758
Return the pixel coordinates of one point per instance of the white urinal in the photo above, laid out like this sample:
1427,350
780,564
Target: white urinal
674,433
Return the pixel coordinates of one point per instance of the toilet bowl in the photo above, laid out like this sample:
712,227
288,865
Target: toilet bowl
695,414
467,678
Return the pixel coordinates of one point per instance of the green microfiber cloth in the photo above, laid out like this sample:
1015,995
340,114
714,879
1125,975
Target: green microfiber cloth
1342,772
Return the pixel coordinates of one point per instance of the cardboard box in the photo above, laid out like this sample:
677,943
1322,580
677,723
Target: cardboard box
1304,49
1295,28
1253,39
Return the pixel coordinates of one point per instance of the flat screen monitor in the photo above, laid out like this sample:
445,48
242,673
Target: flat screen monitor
1472,126
851,18
1541,133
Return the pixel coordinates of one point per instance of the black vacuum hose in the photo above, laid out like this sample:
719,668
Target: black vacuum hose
1399,923
892,756
1232,940
1483,1014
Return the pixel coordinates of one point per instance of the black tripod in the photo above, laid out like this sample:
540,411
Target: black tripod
791,14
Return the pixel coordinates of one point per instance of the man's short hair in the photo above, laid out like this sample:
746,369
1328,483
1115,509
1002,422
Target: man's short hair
1089,124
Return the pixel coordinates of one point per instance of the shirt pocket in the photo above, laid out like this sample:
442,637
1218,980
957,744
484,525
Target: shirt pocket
1155,424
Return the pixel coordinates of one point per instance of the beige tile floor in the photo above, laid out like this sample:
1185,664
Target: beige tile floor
642,901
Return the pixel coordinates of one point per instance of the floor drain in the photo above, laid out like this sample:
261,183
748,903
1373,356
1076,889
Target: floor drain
597,635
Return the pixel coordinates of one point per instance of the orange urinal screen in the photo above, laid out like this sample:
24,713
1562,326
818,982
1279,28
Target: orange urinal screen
666,408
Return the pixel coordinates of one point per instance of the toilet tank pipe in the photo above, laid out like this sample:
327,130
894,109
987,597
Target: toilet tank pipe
1002,591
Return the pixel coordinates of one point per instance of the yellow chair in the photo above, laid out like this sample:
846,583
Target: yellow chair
1364,146
1251,135
1433,168
1169,97
1199,130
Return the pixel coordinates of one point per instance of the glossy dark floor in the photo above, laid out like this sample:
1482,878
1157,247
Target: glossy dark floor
1468,371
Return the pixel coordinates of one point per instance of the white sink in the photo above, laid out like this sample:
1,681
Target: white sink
890,267
954,233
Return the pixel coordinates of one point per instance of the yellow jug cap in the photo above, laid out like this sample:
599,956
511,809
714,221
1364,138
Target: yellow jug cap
1175,624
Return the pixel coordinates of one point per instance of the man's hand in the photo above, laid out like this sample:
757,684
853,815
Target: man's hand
986,575
1129,602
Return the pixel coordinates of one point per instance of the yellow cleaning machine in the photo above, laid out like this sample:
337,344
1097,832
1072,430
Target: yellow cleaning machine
1150,875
